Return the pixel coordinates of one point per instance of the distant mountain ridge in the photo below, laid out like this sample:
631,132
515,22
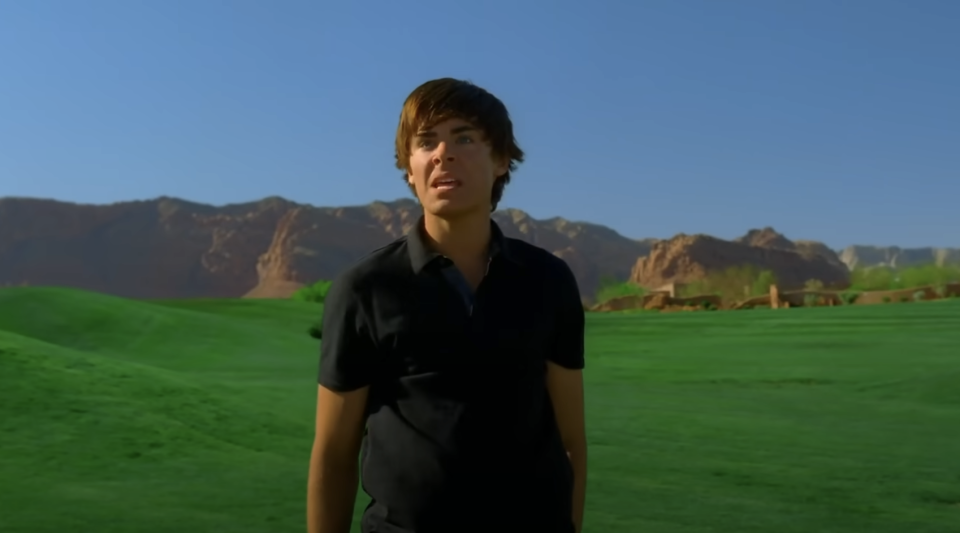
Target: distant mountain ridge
173,248
896,257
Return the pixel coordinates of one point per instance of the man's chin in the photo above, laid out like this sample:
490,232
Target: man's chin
450,209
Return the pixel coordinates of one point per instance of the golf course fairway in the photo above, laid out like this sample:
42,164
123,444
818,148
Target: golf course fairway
196,416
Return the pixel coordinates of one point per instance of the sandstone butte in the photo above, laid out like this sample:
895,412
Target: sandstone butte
171,248
688,258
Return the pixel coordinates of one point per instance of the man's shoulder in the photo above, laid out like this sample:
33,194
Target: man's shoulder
553,273
538,258
363,275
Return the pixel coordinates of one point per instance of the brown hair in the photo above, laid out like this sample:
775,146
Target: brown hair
446,98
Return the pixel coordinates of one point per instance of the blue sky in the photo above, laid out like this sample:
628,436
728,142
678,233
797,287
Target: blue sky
830,120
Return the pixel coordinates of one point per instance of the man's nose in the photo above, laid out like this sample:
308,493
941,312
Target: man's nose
441,154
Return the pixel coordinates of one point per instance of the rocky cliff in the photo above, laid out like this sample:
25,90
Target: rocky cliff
770,238
688,258
171,248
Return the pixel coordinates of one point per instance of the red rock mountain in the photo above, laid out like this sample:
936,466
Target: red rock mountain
171,248
769,238
687,258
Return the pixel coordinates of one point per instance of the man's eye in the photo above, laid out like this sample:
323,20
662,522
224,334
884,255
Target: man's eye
465,139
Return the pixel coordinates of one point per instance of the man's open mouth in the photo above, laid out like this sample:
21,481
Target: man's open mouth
446,184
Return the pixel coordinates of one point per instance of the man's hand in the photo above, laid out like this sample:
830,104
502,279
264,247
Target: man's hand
566,393
332,484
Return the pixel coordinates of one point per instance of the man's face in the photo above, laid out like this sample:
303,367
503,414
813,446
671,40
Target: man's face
453,169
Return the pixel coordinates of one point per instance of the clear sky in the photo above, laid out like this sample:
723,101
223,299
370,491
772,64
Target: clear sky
830,120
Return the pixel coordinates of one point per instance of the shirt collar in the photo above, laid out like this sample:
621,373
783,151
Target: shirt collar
422,255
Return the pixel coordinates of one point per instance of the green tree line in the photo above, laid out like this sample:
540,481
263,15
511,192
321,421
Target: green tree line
888,279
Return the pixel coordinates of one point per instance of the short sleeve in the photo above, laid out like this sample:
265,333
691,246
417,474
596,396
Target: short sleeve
347,347
568,342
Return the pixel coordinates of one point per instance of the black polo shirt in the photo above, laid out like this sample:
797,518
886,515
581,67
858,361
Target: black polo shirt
461,434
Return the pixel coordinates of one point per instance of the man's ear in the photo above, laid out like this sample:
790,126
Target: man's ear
502,167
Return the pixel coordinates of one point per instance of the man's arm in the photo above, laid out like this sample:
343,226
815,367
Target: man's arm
566,393
565,383
348,363
332,481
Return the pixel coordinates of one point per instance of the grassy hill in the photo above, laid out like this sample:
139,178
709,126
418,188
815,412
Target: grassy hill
170,416
117,415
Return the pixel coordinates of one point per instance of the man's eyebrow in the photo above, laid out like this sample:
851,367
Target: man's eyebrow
458,129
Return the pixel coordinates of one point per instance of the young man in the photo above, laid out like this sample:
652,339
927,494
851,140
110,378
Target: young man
458,350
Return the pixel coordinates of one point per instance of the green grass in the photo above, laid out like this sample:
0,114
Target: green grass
171,416
611,288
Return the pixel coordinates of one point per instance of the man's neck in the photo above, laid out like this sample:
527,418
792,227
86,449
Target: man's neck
464,239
